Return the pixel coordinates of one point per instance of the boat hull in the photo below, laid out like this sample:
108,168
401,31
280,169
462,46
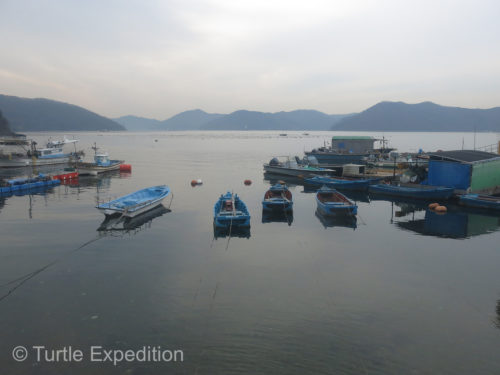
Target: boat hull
417,192
480,201
304,172
26,162
140,211
277,204
337,159
93,170
358,185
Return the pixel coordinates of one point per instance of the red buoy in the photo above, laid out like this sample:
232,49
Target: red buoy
247,182
125,168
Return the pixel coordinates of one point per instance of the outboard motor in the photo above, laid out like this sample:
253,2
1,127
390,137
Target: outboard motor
298,160
274,161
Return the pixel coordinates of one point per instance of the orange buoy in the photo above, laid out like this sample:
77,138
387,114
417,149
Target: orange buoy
194,182
441,209
247,182
125,168
432,206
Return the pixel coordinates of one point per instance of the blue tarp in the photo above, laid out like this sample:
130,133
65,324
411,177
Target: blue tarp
444,173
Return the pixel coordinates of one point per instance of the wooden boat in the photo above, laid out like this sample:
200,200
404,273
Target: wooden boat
413,191
339,182
488,202
136,203
278,197
231,211
331,202
19,184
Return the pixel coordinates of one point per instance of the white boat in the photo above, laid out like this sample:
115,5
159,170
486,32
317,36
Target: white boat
20,152
136,203
294,167
102,163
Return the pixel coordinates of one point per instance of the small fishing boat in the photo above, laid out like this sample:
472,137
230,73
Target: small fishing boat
488,202
102,163
19,152
136,203
231,211
339,182
19,184
413,191
331,202
278,197
294,167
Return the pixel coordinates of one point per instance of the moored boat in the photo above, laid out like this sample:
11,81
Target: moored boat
331,202
278,197
488,202
413,191
230,211
136,203
290,167
20,152
102,163
340,182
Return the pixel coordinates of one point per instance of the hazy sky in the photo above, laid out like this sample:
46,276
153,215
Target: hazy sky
158,58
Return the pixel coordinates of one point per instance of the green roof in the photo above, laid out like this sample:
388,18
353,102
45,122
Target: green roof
353,137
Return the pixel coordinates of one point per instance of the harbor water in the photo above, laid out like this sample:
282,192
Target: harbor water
401,290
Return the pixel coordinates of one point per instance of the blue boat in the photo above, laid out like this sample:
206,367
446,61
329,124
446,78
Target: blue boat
339,182
488,202
21,184
278,198
231,211
136,203
413,191
332,203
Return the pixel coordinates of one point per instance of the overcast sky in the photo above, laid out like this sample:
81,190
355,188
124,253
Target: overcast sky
158,58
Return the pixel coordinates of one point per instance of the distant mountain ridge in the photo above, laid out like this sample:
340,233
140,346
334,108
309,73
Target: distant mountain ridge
4,126
426,116
238,120
26,114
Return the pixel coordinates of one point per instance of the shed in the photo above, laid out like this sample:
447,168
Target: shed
468,170
357,144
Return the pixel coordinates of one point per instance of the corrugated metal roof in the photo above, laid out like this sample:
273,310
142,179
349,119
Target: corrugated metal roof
463,156
353,137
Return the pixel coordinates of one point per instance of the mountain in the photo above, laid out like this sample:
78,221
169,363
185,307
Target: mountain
189,120
4,126
294,120
135,123
50,115
426,116
240,120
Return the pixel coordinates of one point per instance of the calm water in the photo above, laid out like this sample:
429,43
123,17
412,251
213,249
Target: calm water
402,291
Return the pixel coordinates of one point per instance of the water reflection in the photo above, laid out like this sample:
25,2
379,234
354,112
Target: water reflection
497,319
118,224
456,223
222,232
285,216
337,221
289,180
